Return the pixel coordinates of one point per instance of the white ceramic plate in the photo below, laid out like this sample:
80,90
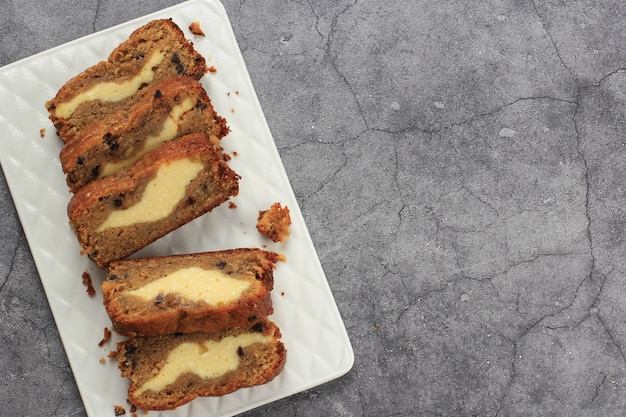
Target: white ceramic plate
317,343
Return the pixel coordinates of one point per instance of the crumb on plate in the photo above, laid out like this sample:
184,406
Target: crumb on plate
274,223
87,283
106,338
195,28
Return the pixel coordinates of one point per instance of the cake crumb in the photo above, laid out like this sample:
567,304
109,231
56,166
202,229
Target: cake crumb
226,157
113,354
232,205
235,153
106,338
232,109
87,283
212,69
119,410
195,28
102,360
42,132
274,223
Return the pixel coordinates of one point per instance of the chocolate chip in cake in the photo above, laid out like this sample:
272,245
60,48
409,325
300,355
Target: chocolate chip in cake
158,94
117,202
180,69
252,317
80,160
95,171
111,141
159,299
240,352
257,328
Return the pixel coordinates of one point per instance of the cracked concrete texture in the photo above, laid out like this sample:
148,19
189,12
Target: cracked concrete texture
461,168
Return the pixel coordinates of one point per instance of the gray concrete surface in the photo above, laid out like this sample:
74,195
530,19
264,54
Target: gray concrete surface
461,168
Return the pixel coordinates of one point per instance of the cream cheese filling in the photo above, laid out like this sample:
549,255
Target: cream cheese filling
160,196
195,284
207,360
169,130
112,91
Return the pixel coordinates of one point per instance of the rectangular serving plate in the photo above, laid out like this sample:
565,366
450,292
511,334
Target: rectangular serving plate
318,347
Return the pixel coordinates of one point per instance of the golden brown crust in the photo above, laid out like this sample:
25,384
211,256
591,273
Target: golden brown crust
274,222
171,313
123,63
196,29
91,205
121,136
140,357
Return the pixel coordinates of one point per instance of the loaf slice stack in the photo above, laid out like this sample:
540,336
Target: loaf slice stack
199,324
152,53
133,129
142,156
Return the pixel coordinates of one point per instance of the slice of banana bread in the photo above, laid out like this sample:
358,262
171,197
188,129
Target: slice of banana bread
114,217
169,110
170,370
190,293
153,52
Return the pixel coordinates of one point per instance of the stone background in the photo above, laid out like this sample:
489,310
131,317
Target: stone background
460,166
